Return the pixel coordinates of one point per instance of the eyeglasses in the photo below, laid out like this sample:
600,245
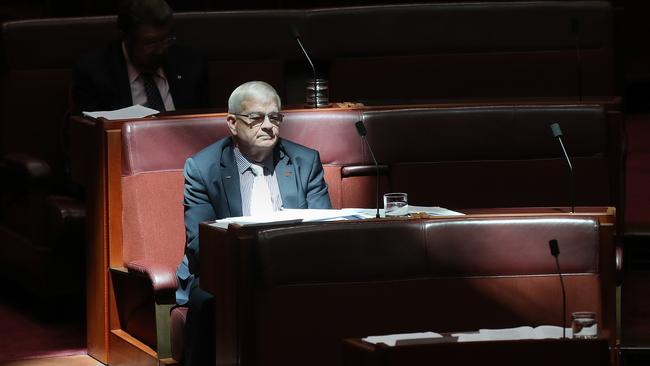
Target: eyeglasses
257,118
165,42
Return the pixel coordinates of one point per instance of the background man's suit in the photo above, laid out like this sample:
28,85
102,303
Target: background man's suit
101,81
212,192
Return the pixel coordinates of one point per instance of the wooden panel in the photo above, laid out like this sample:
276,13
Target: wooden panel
128,351
97,287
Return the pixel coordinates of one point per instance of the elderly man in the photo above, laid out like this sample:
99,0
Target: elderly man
142,67
252,172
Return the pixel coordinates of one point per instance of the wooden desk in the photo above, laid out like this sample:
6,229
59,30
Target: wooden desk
239,271
558,352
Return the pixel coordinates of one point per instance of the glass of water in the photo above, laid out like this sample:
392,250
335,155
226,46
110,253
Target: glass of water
396,204
584,325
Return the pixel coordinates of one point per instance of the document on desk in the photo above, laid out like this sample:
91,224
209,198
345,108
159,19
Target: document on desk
293,216
391,339
508,334
433,211
134,111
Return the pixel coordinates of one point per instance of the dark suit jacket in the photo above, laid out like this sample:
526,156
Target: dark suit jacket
100,79
212,192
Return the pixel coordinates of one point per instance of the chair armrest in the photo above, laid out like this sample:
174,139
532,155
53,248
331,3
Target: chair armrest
66,210
162,277
26,168
65,223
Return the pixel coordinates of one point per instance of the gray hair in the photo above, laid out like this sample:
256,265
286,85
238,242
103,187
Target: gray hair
257,90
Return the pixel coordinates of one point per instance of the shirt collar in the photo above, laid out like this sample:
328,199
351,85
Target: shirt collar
244,164
135,72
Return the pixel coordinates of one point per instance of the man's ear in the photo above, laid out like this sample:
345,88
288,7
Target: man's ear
231,120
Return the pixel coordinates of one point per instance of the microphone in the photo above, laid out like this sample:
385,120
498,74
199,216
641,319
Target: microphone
557,133
296,36
575,29
361,130
555,252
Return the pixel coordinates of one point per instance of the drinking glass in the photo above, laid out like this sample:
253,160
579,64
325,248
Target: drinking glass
584,325
396,204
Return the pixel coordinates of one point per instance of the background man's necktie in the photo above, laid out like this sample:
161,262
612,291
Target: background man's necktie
154,99
261,196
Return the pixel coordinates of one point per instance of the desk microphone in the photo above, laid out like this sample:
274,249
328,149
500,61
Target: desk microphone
557,132
296,36
555,252
361,130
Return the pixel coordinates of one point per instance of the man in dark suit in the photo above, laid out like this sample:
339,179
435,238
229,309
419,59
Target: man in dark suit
252,172
143,67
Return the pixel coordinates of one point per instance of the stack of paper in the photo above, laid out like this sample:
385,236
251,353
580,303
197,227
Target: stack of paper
135,111
506,334
390,339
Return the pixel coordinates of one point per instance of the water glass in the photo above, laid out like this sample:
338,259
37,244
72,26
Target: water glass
318,94
396,204
584,325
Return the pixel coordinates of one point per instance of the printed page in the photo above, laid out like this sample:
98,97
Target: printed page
433,211
390,339
132,112
508,333
551,331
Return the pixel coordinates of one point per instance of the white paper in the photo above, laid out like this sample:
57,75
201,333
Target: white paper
390,339
134,111
292,216
433,211
507,334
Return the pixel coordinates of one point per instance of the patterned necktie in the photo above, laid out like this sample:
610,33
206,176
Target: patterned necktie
261,194
154,99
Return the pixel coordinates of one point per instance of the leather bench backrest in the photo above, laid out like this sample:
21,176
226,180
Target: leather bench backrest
494,156
154,153
413,249
315,285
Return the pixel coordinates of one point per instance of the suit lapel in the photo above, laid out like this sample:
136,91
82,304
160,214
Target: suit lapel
230,181
287,179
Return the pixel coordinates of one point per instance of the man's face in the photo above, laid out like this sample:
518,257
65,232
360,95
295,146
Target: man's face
256,133
148,45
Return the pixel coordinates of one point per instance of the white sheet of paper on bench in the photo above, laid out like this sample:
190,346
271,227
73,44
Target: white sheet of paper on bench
134,111
507,334
290,216
433,211
390,339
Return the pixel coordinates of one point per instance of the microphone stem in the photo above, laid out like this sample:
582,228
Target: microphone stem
365,139
557,264
572,182
313,69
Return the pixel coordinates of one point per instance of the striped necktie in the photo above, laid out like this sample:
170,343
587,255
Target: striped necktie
154,99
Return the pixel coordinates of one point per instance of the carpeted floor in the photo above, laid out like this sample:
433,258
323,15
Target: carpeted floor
24,335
